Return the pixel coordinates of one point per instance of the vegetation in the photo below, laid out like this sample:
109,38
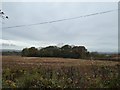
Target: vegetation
31,72
11,53
66,51
54,67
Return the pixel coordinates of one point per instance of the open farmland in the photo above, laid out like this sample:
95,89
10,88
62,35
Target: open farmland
59,73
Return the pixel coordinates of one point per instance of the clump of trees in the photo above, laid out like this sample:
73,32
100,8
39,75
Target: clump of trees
65,51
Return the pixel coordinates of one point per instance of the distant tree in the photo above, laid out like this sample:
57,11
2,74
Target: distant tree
25,52
33,52
65,51
80,51
50,51
11,53
66,47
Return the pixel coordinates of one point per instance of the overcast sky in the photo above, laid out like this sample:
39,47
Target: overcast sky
96,33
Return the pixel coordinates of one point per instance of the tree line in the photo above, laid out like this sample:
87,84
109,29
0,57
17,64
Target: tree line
65,51
10,53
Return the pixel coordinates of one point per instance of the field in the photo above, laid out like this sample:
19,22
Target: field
36,72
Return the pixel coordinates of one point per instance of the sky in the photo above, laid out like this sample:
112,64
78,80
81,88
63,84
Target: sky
96,33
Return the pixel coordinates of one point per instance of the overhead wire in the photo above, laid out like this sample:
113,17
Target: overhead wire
60,20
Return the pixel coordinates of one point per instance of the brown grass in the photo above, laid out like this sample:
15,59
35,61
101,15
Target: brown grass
83,73
12,61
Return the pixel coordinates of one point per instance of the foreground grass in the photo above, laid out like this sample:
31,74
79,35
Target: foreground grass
22,72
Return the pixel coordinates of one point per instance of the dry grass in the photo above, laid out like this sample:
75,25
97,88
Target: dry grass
33,62
59,72
54,61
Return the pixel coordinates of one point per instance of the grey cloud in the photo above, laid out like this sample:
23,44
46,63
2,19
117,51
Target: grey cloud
96,32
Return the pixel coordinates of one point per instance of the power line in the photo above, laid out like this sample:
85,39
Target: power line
59,20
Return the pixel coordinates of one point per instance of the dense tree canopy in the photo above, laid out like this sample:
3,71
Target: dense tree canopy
65,51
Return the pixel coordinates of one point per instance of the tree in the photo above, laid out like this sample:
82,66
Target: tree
79,51
33,52
66,51
2,15
50,51
25,52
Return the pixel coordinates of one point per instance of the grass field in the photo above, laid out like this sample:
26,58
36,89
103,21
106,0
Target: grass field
36,72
